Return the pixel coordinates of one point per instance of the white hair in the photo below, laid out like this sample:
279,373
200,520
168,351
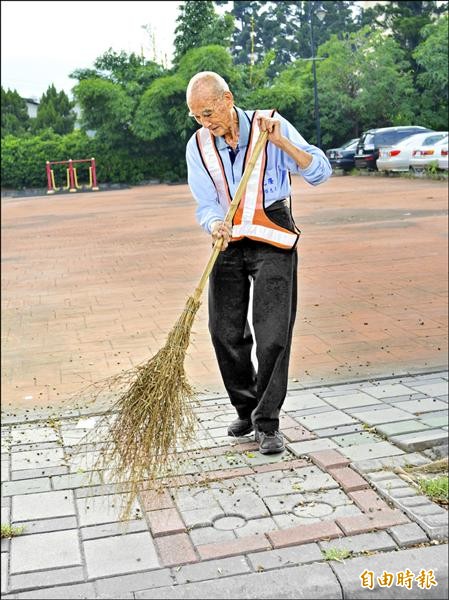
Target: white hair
212,80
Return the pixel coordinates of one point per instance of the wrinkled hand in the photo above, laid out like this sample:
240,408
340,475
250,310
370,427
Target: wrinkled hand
273,127
220,229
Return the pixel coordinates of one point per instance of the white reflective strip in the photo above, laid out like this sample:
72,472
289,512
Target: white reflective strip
252,187
214,168
266,233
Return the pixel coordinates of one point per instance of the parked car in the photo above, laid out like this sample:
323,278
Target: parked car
427,155
397,157
343,157
367,151
442,147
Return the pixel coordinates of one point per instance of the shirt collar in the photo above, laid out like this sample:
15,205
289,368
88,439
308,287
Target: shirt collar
244,126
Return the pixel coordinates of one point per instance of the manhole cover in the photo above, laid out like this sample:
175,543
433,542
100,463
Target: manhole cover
228,523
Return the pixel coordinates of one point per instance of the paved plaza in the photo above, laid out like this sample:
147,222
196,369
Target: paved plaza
92,284
233,523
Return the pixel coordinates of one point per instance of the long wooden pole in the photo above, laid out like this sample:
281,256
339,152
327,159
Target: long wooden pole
231,212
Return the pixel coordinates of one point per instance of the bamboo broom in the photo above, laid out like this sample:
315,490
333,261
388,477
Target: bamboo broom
154,416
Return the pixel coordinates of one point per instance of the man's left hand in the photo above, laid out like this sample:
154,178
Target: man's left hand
273,127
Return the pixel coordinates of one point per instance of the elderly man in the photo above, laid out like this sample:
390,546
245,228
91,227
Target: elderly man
259,248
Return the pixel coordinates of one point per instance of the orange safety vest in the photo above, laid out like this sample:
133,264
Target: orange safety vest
250,219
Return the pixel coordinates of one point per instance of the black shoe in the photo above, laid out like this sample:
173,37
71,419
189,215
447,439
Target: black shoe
240,427
270,442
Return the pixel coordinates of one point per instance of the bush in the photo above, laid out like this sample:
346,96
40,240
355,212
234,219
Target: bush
24,159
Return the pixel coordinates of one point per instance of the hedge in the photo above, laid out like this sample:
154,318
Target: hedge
24,158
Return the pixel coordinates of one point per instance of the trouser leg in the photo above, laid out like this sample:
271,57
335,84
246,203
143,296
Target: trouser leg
229,287
274,312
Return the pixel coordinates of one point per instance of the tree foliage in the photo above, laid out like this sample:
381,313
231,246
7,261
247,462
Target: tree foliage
363,83
431,55
106,107
285,28
198,25
404,20
55,111
15,119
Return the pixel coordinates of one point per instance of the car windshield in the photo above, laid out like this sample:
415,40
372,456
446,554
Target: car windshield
411,141
432,139
443,141
350,145
391,137
368,139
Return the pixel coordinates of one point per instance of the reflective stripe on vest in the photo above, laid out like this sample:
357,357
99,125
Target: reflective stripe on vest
250,219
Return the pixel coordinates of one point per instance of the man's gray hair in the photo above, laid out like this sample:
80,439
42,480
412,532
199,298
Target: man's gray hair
212,80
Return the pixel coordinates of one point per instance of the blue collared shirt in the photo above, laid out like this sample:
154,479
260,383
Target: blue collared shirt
276,182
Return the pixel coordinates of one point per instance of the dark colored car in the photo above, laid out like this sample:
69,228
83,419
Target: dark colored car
367,151
343,157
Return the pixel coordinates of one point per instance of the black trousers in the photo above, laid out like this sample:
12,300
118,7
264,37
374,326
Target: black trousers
273,272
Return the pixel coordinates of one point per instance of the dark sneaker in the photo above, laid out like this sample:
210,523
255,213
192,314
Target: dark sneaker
240,427
270,442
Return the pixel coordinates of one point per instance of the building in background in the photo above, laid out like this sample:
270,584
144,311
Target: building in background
32,106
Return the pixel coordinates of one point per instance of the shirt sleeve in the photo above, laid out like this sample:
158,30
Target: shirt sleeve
319,169
203,190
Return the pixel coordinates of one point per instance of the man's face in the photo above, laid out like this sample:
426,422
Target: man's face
212,111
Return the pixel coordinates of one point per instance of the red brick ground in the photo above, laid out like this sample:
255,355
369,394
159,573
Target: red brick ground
93,282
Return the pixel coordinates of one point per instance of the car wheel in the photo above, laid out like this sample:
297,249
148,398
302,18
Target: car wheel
418,171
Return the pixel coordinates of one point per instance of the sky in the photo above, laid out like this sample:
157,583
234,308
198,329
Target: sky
42,42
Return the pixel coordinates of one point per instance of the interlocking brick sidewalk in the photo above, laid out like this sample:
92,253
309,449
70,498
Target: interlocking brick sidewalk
234,523
93,282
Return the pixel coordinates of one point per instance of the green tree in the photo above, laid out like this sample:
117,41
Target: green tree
246,22
162,114
198,25
106,108
132,72
288,94
15,119
55,111
284,27
404,20
363,82
161,118
431,56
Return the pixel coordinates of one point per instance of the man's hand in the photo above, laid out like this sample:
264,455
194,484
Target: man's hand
220,229
302,158
273,127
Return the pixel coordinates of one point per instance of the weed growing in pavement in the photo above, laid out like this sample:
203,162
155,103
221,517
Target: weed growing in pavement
9,531
436,488
336,554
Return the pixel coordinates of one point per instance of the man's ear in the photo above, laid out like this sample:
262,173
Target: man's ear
229,99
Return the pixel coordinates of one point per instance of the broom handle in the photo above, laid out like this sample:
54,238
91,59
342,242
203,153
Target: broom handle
231,212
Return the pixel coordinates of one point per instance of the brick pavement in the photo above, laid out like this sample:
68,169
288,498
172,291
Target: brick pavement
92,283
232,522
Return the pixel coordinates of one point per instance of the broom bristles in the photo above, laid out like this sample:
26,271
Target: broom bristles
152,417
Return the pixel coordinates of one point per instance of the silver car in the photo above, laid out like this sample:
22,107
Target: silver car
398,157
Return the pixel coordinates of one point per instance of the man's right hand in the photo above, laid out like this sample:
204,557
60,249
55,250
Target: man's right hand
220,229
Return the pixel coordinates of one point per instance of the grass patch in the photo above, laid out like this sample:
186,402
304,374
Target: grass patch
436,488
336,554
8,531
